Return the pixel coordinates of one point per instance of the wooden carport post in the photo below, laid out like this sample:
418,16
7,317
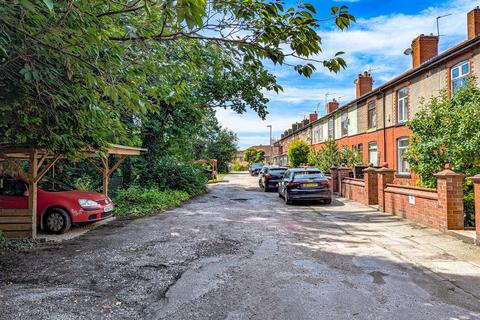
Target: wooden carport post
32,189
107,171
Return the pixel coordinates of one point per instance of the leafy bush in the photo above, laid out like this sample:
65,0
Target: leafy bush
446,130
326,157
350,157
254,155
298,153
137,201
237,166
168,173
84,183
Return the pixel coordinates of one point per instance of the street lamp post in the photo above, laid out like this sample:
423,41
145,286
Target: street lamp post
271,147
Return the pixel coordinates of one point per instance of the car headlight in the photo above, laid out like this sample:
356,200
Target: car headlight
87,203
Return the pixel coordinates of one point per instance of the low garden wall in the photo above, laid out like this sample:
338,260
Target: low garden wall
354,189
416,204
440,208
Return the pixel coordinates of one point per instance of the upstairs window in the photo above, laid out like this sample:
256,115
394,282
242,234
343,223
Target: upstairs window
372,115
330,128
344,124
402,105
402,164
459,75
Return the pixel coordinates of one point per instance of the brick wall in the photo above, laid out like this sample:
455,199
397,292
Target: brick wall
354,189
416,204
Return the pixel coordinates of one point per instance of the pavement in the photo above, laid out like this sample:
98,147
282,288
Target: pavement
240,253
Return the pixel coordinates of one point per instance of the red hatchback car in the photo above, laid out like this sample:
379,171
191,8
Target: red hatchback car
58,205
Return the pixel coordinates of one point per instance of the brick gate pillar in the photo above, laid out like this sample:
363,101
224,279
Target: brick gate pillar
476,186
343,172
450,198
384,177
371,185
334,171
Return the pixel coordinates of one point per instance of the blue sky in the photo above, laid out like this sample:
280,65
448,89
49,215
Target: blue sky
384,29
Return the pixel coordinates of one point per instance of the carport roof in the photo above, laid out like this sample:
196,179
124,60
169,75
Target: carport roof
23,152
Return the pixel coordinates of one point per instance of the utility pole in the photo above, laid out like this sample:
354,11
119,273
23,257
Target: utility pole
271,146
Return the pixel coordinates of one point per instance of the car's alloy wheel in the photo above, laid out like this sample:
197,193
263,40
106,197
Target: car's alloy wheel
57,221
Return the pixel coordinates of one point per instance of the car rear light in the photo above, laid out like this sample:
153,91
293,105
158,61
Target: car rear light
293,184
268,176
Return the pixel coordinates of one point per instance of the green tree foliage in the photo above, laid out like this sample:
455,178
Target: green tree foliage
448,131
298,153
326,157
254,155
222,146
72,71
350,156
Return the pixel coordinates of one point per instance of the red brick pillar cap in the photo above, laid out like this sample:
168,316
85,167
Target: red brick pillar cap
476,178
385,170
448,172
370,169
344,168
333,167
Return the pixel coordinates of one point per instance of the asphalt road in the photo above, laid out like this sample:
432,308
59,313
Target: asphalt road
234,253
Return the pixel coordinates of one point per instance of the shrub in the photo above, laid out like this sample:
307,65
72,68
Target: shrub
326,157
298,153
84,183
137,201
168,173
254,155
237,166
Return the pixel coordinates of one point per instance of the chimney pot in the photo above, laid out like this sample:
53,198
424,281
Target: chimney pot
313,117
424,48
364,84
473,23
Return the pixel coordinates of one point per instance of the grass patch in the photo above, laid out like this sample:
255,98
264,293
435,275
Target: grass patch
136,201
220,178
4,242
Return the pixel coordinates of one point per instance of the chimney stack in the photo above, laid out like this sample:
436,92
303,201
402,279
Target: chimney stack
424,48
332,106
364,84
313,117
306,122
294,127
473,23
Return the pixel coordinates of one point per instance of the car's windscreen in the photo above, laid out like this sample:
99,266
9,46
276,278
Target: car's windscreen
277,170
54,185
257,166
309,175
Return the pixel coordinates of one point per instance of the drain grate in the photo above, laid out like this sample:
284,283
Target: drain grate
239,199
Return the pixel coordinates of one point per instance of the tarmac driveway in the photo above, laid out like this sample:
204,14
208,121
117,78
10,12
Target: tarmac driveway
239,253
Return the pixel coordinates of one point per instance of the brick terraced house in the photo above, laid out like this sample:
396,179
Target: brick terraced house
374,123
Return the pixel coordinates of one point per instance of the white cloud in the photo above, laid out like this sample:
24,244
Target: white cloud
375,43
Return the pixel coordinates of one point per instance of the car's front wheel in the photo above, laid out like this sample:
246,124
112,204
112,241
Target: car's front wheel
57,221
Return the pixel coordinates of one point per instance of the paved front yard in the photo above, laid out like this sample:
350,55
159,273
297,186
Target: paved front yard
238,253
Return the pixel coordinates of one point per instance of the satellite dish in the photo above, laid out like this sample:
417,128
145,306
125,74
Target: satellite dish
408,51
